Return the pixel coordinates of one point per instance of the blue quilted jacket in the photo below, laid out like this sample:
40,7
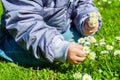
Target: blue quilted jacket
36,25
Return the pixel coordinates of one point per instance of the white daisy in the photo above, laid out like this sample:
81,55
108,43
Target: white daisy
104,52
87,38
87,77
81,40
117,38
96,44
109,2
117,52
102,40
92,39
100,70
92,55
86,49
77,75
99,3
104,0
102,43
109,47
87,43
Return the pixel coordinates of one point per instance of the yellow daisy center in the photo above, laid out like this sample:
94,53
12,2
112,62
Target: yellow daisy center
77,75
87,78
91,55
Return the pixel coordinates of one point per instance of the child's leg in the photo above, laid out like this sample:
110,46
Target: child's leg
9,50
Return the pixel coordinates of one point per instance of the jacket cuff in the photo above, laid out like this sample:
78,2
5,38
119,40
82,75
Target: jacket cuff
60,48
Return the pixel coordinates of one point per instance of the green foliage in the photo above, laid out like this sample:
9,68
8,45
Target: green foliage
104,67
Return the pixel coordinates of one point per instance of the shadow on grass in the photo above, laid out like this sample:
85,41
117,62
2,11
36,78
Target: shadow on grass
56,66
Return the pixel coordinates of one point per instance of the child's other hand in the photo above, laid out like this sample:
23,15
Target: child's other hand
90,26
75,55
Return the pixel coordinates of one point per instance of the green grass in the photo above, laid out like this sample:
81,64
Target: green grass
1,10
108,63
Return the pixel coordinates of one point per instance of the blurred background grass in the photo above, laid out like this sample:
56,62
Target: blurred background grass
1,10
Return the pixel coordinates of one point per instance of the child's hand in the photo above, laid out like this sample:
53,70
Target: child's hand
90,27
75,54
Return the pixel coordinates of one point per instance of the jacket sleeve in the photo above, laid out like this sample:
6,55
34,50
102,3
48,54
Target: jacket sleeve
82,10
25,23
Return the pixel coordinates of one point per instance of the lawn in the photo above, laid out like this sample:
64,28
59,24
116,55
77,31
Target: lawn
102,63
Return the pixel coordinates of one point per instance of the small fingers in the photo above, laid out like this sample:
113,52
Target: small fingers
88,30
78,60
81,53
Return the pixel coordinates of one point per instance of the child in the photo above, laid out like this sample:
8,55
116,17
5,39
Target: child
37,31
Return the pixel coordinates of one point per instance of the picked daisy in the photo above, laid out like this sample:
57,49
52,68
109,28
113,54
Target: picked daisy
86,49
81,40
92,55
77,75
93,22
117,52
93,14
87,77
109,47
